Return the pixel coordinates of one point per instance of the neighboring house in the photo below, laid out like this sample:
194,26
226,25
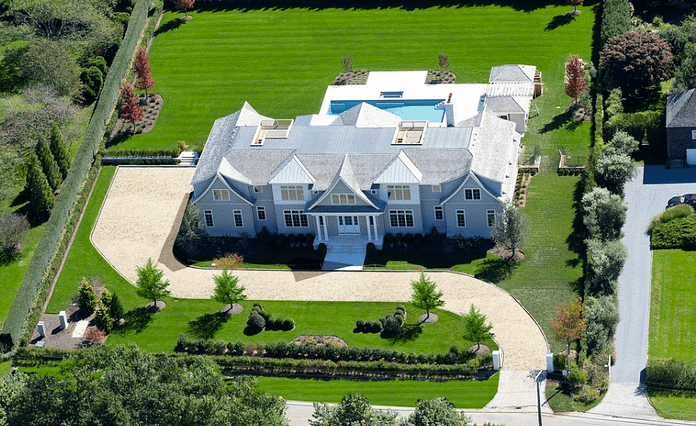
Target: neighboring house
681,128
358,170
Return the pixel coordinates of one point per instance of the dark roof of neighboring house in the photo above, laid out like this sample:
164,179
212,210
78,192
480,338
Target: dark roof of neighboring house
681,109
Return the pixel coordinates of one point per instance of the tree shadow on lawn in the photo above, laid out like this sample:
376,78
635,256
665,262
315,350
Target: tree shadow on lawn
576,239
409,333
495,270
205,326
170,26
136,320
559,21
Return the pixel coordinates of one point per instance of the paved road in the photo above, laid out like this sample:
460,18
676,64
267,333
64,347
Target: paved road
646,196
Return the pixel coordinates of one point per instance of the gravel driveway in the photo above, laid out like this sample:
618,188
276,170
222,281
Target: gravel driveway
646,196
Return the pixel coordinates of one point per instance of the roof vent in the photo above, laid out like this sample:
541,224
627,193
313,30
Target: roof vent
410,133
272,129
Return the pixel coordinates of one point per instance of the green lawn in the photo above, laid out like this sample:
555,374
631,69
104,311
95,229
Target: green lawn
463,394
281,60
672,323
468,263
560,401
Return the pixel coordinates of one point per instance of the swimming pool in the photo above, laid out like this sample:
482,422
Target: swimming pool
407,109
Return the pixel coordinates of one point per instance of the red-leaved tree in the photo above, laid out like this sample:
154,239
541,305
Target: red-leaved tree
569,323
575,77
144,80
130,108
184,4
575,4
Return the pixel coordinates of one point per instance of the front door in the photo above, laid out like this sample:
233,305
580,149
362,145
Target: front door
348,225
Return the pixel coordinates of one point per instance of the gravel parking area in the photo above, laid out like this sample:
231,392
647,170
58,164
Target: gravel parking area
142,211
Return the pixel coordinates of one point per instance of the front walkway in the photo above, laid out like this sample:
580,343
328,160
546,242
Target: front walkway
344,254
138,219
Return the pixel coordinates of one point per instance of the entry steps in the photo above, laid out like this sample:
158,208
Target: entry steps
344,255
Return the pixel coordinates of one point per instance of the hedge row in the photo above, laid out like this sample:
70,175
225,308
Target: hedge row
140,152
162,161
45,250
671,374
326,352
616,18
676,233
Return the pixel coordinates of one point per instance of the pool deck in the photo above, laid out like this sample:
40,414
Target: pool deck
466,97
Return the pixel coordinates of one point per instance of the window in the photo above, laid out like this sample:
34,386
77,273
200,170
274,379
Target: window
208,218
439,214
295,219
461,219
291,192
490,214
399,192
221,195
472,194
436,188
261,212
258,188
238,218
342,198
401,218
371,220
693,134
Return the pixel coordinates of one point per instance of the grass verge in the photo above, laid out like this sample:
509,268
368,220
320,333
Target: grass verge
674,405
403,393
559,400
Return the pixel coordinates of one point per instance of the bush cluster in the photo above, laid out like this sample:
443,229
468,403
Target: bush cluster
678,232
404,240
389,325
140,152
616,18
670,374
260,320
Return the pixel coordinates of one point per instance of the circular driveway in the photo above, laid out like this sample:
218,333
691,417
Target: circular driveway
142,212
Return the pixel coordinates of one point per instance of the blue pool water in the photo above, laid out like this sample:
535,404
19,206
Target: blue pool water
407,109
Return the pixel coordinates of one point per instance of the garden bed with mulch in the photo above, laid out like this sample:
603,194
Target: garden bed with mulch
152,106
351,77
440,77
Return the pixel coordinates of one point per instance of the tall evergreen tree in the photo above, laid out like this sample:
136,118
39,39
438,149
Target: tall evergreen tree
60,150
48,164
41,198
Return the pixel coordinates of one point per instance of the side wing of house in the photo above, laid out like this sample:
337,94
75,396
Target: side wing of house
225,208
471,210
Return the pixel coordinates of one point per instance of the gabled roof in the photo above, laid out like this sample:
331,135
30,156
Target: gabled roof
366,115
505,105
347,176
681,109
512,73
491,145
400,170
470,176
227,184
293,171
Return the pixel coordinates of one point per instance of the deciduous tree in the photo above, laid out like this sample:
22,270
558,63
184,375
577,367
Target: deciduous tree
144,80
604,214
354,410
426,295
13,228
613,171
59,149
150,284
569,323
475,327
443,61
510,229
48,62
575,4
605,260
575,77
602,318
437,412
227,289
130,108
621,143
184,4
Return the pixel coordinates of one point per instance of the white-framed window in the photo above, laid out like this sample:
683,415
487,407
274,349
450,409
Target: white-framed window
472,194
295,219
238,222
292,192
490,217
208,216
439,213
399,192
437,188
342,198
401,218
261,212
693,134
221,195
258,188
461,219
371,220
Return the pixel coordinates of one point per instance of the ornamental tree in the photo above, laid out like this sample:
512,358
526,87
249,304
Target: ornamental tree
130,109
437,411
227,289
575,83
613,171
636,61
184,4
150,284
354,409
425,295
604,214
443,61
569,323
575,4
605,260
144,80
510,229
475,327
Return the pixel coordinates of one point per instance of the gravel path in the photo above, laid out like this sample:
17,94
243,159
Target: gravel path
144,203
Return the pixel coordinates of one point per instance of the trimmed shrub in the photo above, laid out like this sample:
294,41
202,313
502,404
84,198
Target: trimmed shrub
371,248
671,374
392,326
87,297
322,248
256,322
359,326
677,233
288,324
102,319
676,212
616,18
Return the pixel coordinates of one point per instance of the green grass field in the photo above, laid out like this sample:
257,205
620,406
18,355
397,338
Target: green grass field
463,394
281,60
672,323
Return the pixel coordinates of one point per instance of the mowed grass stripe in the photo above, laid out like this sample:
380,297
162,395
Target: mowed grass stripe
282,60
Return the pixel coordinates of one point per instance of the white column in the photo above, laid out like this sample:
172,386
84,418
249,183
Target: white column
374,223
368,226
316,218
326,230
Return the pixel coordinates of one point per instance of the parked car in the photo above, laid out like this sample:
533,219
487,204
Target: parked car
689,199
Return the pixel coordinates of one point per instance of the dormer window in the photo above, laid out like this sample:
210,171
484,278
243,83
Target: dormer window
342,198
221,195
292,192
472,194
398,192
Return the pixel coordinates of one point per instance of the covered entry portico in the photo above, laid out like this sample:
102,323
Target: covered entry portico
360,227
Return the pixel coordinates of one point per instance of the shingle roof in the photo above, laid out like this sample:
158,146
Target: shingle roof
681,109
505,105
512,73
366,115
491,145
